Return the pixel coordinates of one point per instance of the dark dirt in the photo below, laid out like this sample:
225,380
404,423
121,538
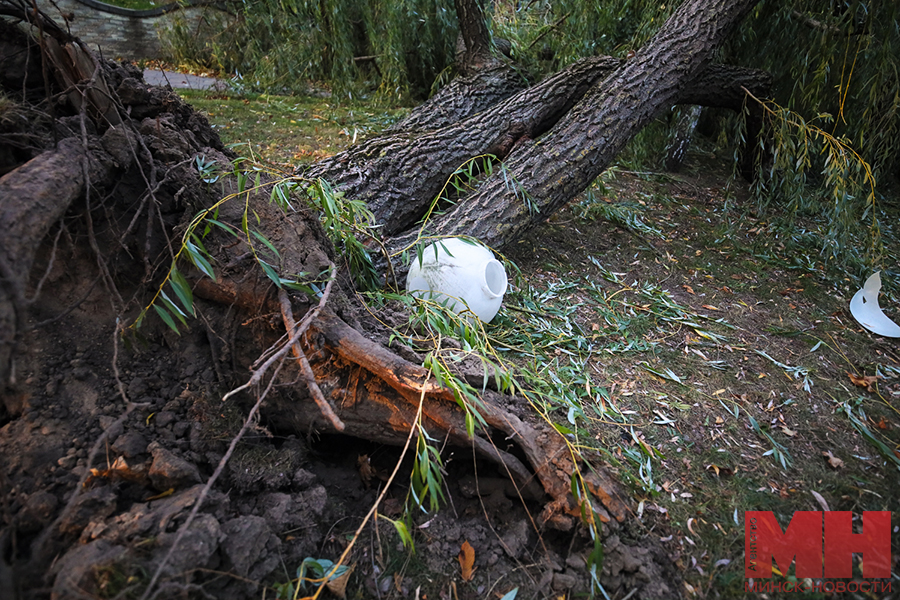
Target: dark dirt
285,496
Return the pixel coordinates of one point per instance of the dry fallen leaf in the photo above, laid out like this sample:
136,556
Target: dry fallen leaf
338,585
164,494
820,500
366,471
467,561
866,381
119,470
709,307
689,289
719,420
833,460
788,432
690,522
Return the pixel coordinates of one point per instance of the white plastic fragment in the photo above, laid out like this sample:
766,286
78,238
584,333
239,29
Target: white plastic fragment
461,273
865,309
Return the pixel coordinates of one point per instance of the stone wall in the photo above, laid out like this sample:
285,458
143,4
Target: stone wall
121,32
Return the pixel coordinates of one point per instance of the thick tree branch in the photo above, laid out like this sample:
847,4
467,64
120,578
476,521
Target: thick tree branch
541,177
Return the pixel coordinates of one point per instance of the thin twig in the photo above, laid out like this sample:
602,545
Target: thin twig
387,486
550,28
316,392
86,172
301,329
37,290
248,422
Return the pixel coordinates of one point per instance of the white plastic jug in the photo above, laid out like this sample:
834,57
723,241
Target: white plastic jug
462,273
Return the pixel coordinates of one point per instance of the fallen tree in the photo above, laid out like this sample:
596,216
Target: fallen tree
553,139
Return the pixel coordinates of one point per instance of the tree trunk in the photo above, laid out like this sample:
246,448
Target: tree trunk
463,97
476,39
542,176
400,174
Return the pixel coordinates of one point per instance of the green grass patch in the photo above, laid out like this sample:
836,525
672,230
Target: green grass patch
288,130
136,4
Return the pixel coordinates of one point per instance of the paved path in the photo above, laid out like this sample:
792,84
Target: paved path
183,80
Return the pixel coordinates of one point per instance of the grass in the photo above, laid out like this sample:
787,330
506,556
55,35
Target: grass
734,381
136,4
287,130
698,348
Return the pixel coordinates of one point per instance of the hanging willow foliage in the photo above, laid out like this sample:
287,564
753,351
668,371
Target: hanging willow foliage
833,63
837,64
840,58
394,49
836,58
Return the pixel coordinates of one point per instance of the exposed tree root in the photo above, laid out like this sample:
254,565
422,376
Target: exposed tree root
287,313
376,396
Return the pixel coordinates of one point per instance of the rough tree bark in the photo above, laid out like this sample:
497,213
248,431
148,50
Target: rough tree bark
548,173
476,39
400,173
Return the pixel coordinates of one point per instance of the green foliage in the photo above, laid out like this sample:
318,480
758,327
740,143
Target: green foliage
857,416
844,61
553,34
394,49
343,220
833,131
316,571
428,473
777,450
403,527
813,173
621,213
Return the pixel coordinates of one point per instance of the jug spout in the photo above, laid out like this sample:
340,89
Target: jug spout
495,281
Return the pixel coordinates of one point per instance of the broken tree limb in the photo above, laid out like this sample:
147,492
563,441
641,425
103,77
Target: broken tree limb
287,313
294,336
548,454
376,395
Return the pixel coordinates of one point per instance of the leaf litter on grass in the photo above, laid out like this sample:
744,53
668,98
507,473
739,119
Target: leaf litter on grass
709,370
